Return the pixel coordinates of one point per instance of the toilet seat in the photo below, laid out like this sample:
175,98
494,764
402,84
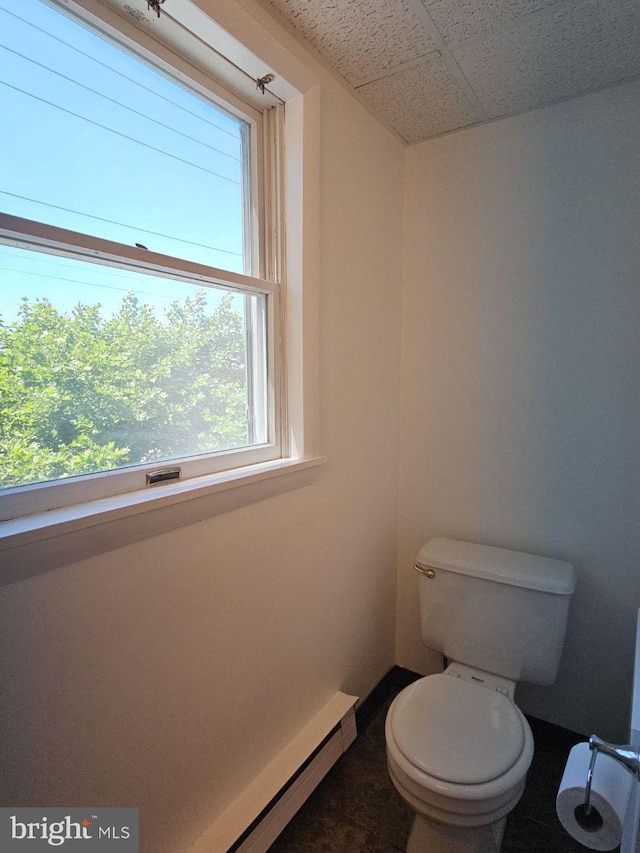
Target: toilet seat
473,734
460,741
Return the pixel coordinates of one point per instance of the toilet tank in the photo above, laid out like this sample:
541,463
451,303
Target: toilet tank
500,611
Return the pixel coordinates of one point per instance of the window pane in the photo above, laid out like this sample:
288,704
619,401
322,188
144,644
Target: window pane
98,142
102,368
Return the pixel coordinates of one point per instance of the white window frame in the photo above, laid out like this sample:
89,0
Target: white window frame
262,354
45,540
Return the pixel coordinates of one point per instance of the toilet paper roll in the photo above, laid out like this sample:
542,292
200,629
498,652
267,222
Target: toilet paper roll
610,793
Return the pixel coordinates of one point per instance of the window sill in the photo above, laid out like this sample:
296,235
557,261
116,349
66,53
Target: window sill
38,543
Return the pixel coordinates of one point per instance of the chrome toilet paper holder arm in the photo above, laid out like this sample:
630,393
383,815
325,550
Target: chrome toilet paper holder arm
626,754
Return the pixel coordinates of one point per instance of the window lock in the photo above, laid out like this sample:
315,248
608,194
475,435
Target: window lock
163,476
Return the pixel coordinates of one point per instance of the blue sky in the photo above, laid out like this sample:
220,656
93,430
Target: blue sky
129,155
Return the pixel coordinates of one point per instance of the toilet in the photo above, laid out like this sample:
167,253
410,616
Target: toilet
458,747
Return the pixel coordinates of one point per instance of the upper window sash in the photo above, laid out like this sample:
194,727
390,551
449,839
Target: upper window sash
134,103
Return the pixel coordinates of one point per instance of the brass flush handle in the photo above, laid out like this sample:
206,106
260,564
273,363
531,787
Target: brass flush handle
427,572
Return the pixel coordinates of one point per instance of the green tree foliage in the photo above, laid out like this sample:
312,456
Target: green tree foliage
82,393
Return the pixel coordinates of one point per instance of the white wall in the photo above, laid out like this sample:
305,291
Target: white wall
521,366
166,674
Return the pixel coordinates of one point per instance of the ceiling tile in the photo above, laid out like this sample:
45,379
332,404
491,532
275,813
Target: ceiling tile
460,19
571,49
420,101
362,39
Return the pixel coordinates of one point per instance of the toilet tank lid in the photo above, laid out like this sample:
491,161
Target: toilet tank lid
499,565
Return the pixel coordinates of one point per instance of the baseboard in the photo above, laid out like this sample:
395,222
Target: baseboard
268,826
392,683
255,819
252,822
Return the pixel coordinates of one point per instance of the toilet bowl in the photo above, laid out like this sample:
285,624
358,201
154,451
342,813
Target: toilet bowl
458,751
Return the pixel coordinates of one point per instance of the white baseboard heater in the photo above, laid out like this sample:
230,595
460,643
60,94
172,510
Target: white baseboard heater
253,821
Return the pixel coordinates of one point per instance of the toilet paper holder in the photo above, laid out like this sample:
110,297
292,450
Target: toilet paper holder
626,754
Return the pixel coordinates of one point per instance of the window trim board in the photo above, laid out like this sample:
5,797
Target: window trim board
38,543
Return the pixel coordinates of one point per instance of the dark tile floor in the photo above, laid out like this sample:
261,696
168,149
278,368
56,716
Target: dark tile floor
356,809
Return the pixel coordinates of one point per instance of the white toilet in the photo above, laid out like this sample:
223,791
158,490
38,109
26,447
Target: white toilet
458,747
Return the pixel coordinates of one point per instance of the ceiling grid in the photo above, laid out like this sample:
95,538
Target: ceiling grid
428,67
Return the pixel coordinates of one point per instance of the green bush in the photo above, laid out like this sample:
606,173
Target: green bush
80,392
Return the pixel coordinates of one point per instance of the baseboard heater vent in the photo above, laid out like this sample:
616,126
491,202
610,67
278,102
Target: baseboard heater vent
254,820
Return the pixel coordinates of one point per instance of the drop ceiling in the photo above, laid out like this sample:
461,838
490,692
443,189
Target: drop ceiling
427,67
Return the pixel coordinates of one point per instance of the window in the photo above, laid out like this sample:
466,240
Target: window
138,334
